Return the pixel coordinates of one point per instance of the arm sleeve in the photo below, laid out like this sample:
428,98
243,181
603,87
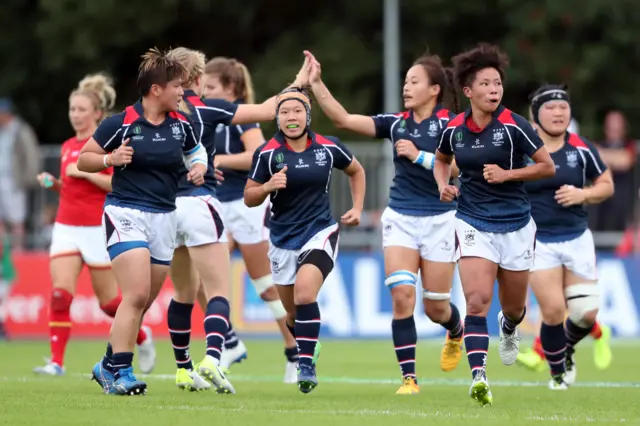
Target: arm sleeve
241,128
218,111
526,138
594,166
383,123
260,166
342,157
445,145
191,141
108,132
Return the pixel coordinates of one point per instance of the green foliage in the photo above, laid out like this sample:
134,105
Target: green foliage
49,45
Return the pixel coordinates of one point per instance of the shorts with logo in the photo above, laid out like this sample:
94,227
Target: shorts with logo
126,228
432,236
285,263
84,241
577,255
199,221
246,225
513,251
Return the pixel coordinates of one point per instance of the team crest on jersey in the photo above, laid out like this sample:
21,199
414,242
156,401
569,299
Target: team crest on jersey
403,126
137,130
321,157
498,137
459,136
572,159
433,129
176,131
279,160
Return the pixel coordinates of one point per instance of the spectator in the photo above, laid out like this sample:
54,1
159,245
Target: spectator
619,154
20,160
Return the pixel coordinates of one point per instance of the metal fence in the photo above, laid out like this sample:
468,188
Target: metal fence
366,237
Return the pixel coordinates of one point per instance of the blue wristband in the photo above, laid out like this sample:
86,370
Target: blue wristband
420,159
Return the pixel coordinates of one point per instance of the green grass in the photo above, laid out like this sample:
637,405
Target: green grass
357,386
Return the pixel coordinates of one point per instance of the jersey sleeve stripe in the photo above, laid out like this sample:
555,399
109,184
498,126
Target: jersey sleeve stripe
112,137
215,109
593,158
523,134
255,170
341,150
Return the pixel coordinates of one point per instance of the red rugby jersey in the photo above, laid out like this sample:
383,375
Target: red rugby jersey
81,202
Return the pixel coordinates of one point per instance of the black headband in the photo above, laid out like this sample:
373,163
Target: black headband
547,96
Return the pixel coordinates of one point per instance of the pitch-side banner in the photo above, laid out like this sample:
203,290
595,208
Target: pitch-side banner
354,302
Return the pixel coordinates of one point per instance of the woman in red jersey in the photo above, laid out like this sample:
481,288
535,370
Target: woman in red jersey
77,238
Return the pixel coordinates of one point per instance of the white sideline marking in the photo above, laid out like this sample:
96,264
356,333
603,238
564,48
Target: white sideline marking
362,381
374,381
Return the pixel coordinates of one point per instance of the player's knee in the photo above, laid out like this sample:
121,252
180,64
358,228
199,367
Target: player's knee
265,288
478,303
61,300
553,313
402,284
305,295
583,301
138,300
436,306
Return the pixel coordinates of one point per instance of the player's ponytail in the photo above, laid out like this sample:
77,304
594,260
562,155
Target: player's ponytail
247,86
453,101
193,62
99,89
232,74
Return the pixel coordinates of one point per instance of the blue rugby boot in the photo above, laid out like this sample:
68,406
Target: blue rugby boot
127,384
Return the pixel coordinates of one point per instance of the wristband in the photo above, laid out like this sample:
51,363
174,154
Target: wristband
105,160
426,160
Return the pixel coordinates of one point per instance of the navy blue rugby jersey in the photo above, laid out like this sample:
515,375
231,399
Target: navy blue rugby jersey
206,115
150,181
578,163
414,190
302,209
228,141
506,142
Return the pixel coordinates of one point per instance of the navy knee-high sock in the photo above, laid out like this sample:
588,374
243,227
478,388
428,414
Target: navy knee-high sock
307,331
454,325
179,322
405,338
216,325
476,342
554,345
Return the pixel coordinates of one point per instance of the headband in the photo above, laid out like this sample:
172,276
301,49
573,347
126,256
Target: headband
547,96
294,93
